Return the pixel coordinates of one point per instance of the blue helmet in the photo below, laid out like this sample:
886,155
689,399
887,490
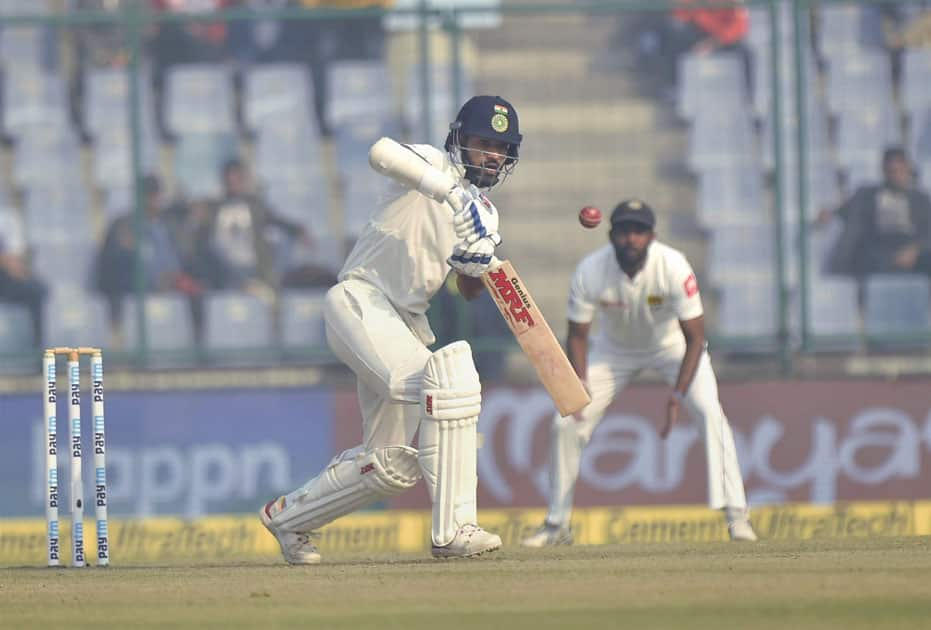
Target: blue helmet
489,117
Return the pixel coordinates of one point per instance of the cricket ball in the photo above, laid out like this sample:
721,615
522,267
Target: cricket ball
590,216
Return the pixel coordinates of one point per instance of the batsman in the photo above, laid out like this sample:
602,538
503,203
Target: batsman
376,324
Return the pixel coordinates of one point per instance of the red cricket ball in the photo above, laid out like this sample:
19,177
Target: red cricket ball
590,216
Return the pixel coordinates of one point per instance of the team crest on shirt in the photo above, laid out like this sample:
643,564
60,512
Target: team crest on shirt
654,301
690,285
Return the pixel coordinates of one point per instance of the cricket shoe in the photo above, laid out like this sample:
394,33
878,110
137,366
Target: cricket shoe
738,524
548,536
470,540
295,546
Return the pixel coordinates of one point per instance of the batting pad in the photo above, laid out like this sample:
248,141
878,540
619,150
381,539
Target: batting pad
451,401
352,480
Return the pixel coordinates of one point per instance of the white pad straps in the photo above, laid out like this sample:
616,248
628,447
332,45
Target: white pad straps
352,480
451,401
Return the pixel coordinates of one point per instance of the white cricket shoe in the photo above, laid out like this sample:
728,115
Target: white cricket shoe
738,524
295,546
471,540
548,536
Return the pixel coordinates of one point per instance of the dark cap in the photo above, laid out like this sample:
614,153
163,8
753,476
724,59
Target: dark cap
633,211
489,117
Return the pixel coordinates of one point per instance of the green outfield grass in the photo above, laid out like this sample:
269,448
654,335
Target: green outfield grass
881,583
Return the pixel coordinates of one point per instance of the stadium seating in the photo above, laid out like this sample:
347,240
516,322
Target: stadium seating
731,195
33,99
46,158
25,7
358,92
916,91
199,99
279,95
896,304
445,100
199,159
74,317
858,81
748,308
107,102
709,82
236,321
16,335
833,310
68,263
919,140
302,324
58,215
283,150
863,133
720,138
301,197
847,30
169,327
740,253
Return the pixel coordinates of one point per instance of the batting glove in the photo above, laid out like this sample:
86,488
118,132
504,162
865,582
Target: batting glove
473,259
460,197
478,219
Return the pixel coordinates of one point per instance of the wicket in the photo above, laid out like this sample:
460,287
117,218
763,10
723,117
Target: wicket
74,434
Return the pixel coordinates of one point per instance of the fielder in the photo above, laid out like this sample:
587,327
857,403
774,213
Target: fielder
651,317
376,324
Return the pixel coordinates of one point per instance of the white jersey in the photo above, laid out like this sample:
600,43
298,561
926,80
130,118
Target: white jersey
403,248
640,313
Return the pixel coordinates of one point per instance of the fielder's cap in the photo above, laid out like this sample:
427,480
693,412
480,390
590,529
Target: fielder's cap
633,211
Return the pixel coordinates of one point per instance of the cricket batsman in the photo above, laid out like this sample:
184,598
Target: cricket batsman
651,316
376,324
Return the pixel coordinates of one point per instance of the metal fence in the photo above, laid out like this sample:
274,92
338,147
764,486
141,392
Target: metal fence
744,151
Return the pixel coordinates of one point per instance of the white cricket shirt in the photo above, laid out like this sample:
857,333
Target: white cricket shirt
403,248
642,312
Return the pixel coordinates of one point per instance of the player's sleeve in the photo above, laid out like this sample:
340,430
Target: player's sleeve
582,303
686,298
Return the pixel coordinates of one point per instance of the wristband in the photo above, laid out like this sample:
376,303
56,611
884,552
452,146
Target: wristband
678,395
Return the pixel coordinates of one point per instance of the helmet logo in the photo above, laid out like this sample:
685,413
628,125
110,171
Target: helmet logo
499,122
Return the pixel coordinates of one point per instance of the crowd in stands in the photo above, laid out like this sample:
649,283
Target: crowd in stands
238,208
868,122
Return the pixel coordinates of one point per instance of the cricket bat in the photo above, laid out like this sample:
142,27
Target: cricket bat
512,298
536,338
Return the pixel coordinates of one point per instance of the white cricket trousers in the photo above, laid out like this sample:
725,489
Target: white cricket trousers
368,334
610,369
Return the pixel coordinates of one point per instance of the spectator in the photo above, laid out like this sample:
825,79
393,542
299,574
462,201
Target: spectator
268,40
886,226
101,45
906,26
174,43
95,46
333,38
162,268
18,285
235,249
703,31
315,42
